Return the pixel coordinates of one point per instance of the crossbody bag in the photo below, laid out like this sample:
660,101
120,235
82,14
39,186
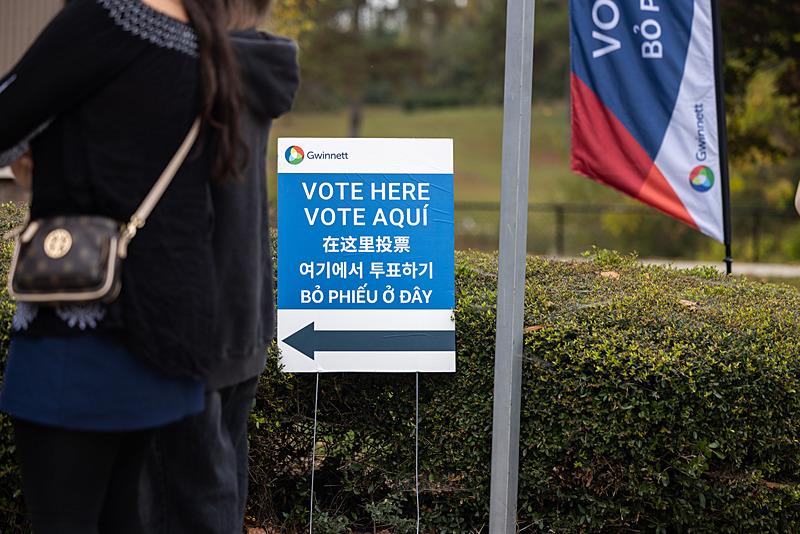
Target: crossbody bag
78,258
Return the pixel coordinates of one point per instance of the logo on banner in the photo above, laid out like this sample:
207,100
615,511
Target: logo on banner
702,179
294,155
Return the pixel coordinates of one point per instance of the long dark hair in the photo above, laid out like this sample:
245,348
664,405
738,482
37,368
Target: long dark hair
244,14
221,102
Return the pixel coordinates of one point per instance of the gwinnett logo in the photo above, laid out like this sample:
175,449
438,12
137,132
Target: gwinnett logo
702,179
294,155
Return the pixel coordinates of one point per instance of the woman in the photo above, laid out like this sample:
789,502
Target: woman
204,489
109,90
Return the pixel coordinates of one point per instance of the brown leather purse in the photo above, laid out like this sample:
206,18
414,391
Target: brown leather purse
78,258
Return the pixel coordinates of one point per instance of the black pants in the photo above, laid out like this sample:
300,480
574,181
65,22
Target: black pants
81,482
198,467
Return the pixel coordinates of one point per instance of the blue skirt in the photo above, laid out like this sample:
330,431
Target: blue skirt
91,383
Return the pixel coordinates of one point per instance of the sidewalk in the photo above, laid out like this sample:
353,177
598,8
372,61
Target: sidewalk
762,270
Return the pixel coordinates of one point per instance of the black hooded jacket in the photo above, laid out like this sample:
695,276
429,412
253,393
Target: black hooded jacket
241,238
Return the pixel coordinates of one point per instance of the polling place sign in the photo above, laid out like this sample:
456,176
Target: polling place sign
365,255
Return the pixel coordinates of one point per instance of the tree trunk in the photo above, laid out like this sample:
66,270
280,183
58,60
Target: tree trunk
356,105
356,117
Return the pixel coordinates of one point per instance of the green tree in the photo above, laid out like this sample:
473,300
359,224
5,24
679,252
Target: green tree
761,33
353,50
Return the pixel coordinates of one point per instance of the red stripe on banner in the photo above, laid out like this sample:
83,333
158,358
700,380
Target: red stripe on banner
604,150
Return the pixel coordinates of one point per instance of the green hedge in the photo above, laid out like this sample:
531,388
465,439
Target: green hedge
11,518
654,400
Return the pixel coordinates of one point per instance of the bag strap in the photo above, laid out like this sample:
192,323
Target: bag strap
139,218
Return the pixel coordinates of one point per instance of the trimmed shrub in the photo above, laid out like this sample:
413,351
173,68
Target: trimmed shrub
654,400
12,517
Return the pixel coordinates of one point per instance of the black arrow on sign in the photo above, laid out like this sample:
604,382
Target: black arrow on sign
308,340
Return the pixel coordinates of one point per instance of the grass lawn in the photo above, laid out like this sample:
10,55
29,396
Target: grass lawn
477,133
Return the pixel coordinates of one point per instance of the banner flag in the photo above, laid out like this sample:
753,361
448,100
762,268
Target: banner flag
644,109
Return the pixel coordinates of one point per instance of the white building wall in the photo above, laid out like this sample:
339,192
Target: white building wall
20,23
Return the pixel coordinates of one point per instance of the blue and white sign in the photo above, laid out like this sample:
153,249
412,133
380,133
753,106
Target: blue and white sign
365,255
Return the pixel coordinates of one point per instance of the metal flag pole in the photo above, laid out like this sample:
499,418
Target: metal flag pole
722,126
511,268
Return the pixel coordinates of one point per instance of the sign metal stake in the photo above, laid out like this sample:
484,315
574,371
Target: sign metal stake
511,268
313,458
416,448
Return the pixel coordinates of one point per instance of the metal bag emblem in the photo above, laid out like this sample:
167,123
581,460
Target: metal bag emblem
57,243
